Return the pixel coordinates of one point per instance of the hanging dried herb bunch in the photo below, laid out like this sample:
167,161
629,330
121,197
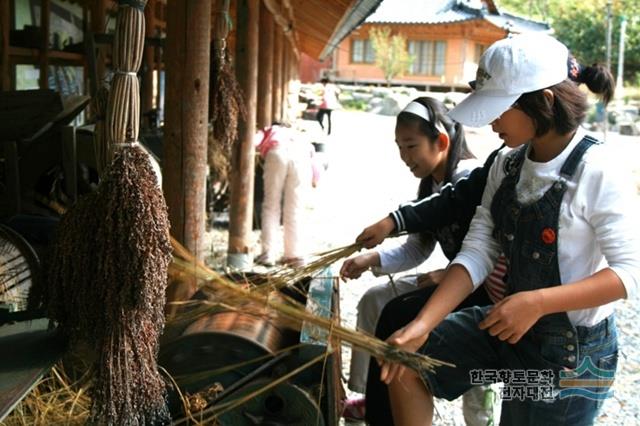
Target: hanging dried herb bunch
109,265
133,253
227,100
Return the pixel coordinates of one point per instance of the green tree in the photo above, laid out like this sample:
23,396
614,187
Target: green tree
391,52
582,27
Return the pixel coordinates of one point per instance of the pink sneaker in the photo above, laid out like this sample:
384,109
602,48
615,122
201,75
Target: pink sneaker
354,409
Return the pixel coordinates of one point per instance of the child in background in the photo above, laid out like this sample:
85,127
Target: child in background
288,175
556,206
434,148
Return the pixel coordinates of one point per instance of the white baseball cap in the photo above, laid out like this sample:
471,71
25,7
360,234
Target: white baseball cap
509,68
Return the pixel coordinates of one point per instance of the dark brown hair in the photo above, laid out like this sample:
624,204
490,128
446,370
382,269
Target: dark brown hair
569,106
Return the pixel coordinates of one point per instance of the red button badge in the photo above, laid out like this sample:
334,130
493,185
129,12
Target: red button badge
548,235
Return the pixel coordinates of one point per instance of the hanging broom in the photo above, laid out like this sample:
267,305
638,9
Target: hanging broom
109,266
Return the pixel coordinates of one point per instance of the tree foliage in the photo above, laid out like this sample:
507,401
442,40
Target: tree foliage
582,26
391,52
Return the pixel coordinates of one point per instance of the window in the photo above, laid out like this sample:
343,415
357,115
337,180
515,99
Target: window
362,51
428,57
480,48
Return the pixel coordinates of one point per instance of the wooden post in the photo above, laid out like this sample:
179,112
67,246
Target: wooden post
286,54
45,15
265,64
98,23
243,157
5,25
185,135
278,43
149,58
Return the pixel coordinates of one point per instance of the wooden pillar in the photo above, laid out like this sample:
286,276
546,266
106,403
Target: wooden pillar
276,102
149,58
265,64
286,55
98,26
5,25
45,15
185,135
242,161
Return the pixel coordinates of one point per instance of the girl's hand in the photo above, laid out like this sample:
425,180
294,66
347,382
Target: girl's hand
431,278
354,267
374,234
513,316
410,338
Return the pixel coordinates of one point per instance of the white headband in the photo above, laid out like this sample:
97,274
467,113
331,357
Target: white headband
421,111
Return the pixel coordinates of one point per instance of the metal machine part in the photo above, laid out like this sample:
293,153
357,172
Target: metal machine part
223,347
284,404
19,269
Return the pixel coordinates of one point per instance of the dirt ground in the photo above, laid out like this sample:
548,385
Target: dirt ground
365,180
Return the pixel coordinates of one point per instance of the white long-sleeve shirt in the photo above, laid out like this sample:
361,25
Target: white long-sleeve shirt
596,221
415,249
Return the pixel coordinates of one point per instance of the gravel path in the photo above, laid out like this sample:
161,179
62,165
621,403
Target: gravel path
365,180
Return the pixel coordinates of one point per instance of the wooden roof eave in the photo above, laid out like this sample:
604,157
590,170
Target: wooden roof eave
351,19
320,25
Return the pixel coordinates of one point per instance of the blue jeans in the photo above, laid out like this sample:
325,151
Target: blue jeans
476,353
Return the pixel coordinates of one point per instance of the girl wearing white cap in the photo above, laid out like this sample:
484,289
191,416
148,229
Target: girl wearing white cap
556,205
433,146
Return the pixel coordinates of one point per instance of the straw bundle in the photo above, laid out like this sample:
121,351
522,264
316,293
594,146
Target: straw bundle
109,265
54,400
230,294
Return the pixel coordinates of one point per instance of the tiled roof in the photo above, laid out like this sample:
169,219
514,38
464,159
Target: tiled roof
432,12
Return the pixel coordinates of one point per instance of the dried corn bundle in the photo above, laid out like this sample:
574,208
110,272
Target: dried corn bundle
109,265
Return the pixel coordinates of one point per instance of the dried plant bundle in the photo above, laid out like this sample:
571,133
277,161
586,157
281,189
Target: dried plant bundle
108,269
228,109
230,294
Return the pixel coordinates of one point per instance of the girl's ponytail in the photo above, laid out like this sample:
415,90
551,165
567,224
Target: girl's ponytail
597,78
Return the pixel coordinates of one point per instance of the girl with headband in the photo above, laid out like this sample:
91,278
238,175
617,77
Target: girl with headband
434,148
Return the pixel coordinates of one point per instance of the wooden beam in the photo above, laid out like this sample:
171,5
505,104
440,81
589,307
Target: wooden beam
286,53
45,16
98,26
5,25
283,16
276,107
242,162
265,63
185,135
148,59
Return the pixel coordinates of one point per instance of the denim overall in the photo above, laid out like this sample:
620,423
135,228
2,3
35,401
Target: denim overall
528,237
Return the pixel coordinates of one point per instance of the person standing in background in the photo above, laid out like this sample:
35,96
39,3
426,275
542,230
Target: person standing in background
329,103
288,176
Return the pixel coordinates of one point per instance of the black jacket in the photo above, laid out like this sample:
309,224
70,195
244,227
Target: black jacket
446,215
